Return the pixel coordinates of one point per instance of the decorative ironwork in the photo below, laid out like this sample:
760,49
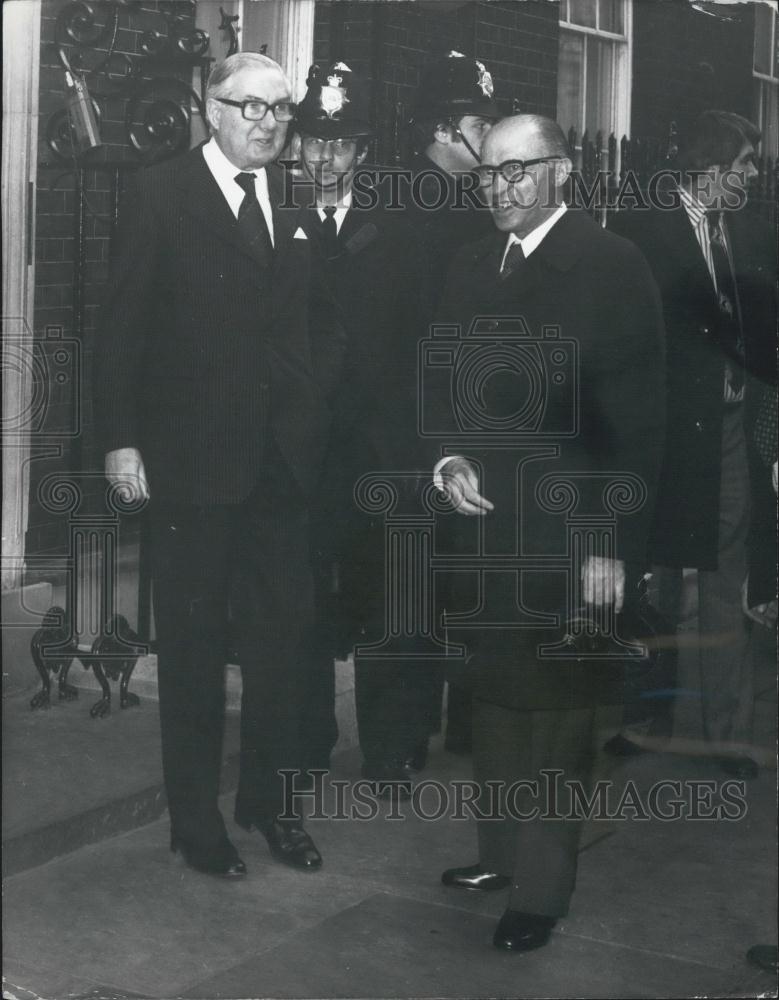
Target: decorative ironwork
228,24
53,650
157,107
114,653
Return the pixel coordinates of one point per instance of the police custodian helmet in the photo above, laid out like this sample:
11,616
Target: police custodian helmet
335,105
452,86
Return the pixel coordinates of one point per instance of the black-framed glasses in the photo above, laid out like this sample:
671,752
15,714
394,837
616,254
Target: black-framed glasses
255,111
512,171
315,144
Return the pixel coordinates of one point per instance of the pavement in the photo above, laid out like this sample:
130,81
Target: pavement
96,906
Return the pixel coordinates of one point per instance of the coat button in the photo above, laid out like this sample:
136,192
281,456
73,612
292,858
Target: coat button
705,330
698,425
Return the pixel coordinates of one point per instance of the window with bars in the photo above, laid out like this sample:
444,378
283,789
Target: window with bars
765,70
594,67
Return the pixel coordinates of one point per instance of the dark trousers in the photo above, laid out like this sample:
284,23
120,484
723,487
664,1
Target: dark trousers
539,855
725,657
229,578
394,700
319,726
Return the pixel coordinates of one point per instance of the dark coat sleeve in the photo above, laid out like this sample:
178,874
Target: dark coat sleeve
126,319
623,391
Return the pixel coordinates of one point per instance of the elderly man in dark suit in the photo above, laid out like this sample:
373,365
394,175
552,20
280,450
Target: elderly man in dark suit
210,398
600,422
715,265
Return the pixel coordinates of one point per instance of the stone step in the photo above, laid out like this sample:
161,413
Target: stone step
144,683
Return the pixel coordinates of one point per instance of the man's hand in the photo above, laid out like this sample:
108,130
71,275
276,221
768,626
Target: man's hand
460,483
124,469
764,614
603,581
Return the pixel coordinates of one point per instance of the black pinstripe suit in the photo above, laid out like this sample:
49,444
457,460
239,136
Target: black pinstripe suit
209,365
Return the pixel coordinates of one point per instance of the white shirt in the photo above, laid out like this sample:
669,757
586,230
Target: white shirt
225,172
340,210
533,239
528,243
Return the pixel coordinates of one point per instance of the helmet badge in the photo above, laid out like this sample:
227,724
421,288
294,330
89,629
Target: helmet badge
333,98
333,93
485,80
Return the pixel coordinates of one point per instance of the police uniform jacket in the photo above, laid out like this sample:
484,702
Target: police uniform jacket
377,279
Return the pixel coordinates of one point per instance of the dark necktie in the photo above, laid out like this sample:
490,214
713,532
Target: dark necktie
727,298
330,232
251,222
515,261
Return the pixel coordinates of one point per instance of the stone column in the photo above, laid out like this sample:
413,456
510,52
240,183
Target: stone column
21,63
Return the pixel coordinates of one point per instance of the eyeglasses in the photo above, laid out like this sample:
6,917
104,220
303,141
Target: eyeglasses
512,171
255,111
315,145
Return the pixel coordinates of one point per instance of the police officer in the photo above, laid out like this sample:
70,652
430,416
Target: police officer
376,274
455,109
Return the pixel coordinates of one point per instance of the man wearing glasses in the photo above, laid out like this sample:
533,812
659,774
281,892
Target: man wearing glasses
210,402
578,395
375,270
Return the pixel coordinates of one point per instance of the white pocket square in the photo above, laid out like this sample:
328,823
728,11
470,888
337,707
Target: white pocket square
299,235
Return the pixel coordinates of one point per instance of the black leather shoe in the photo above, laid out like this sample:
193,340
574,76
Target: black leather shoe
388,781
290,844
519,931
417,760
621,746
742,768
223,860
474,878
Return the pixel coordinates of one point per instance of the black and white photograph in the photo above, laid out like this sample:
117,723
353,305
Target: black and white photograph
389,520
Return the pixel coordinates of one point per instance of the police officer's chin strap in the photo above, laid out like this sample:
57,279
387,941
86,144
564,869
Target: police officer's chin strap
467,145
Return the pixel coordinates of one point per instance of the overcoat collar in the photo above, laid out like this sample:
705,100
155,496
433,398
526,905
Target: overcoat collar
565,243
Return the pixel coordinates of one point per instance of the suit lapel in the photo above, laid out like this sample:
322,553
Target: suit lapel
203,199
285,220
562,246
677,234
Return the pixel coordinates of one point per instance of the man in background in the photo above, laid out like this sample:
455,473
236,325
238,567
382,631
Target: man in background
715,266
454,112
375,271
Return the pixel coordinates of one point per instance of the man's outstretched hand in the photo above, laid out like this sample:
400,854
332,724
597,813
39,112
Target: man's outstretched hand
460,482
124,469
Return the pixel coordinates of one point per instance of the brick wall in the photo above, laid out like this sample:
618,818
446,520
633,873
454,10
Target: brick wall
389,43
685,61
55,450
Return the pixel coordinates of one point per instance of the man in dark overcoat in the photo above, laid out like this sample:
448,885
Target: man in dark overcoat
376,271
210,401
560,393
715,265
